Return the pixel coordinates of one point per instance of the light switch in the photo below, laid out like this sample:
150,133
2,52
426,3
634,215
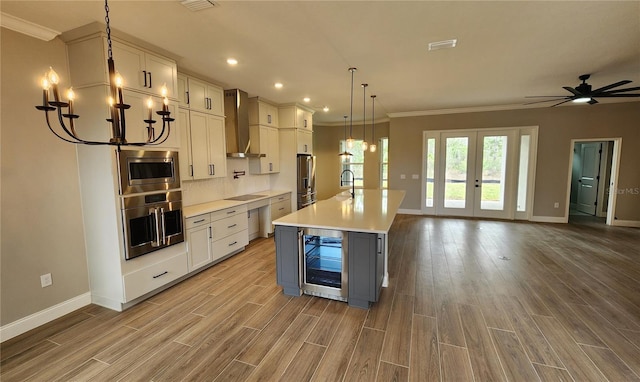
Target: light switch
403,176
415,176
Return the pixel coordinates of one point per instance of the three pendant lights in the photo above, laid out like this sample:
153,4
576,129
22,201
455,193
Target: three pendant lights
349,141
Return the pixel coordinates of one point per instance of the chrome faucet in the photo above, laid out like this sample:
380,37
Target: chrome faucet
353,182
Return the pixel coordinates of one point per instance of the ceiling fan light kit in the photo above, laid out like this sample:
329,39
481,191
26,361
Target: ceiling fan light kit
582,93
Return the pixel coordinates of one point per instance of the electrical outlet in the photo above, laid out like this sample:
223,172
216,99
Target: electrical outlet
46,280
556,205
415,176
403,176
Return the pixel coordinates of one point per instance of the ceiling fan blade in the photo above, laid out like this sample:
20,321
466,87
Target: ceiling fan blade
560,96
605,88
609,95
623,90
592,101
560,103
546,100
572,90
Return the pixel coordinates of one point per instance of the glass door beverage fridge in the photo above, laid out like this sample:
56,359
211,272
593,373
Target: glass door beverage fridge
323,263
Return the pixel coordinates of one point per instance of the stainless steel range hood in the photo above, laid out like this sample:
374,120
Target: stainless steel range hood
236,109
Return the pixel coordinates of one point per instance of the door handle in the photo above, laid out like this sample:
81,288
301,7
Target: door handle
163,226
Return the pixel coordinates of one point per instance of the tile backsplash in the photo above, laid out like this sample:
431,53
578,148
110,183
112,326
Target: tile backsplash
202,191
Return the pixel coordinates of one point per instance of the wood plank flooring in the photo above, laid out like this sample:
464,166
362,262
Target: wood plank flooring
468,300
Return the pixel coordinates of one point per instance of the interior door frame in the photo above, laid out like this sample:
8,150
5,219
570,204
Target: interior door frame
613,182
531,130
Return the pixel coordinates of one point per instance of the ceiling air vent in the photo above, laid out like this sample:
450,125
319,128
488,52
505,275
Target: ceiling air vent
443,44
198,5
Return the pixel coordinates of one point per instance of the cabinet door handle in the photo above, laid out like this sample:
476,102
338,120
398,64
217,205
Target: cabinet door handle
231,212
269,118
305,123
213,169
144,72
199,221
210,233
161,274
281,208
305,148
231,226
149,80
234,243
191,169
270,166
187,94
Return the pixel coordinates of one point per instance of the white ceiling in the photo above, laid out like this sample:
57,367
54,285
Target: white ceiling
506,49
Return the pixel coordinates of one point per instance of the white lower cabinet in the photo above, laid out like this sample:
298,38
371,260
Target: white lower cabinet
278,207
215,235
198,241
154,276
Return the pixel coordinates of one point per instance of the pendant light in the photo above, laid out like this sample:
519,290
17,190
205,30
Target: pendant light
350,140
117,107
373,147
345,154
364,118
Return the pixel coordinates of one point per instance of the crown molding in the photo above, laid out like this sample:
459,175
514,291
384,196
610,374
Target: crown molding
27,27
460,110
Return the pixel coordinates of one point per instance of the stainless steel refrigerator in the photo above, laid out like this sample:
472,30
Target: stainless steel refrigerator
306,180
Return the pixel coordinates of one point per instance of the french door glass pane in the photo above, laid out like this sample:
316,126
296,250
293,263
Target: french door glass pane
494,163
431,164
523,173
455,176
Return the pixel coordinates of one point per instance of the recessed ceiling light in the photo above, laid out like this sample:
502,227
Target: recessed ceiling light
232,61
278,85
306,99
443,44
325,109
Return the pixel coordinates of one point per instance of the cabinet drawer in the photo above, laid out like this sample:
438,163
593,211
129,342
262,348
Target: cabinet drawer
152,277
227,212
196,221
230,244
225,227
280,209
280,198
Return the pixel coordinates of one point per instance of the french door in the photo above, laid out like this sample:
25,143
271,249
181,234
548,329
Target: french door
475,173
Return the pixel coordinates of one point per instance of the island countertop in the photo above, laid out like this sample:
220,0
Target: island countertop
370,211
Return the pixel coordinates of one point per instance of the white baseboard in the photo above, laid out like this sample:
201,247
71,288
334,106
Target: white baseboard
32,321
409,212
626,223
549,219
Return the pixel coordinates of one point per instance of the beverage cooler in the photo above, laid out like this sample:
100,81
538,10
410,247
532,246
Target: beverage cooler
323,263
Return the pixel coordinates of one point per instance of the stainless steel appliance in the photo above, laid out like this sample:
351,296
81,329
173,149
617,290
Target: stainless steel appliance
323,263
306,180
236,124
151,222
144,171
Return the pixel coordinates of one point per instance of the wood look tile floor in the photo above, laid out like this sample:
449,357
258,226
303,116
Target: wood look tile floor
468,300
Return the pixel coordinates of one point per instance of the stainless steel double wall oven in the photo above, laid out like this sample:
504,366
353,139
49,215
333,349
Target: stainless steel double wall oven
151,200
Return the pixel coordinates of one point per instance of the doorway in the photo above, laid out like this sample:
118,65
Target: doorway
591,168
481,173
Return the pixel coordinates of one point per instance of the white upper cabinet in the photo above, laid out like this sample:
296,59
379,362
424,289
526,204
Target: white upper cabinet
304,141
144,71
295,116
205,97
264,140
262,113
199,95
208,151
137,129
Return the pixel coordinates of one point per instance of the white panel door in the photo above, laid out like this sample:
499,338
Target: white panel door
588,182
457,171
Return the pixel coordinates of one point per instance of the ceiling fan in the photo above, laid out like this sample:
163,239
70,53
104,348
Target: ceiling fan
583,93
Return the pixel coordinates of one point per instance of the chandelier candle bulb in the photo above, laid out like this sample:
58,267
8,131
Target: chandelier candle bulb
53,79
45,91
71,95
150,106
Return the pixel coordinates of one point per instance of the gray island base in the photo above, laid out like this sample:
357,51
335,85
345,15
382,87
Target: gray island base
337,248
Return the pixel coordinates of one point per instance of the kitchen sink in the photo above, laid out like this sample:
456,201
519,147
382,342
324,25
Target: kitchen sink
243,198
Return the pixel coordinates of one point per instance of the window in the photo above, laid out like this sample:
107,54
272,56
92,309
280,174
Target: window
384,163
354,163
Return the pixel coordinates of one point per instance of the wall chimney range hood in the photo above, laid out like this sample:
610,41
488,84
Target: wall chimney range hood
236,109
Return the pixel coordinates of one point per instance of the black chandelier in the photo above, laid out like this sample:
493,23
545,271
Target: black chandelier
117,108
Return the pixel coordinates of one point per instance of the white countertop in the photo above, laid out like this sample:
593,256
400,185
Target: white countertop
217,205
371,211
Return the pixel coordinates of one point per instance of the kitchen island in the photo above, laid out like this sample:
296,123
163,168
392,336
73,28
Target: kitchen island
338,248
